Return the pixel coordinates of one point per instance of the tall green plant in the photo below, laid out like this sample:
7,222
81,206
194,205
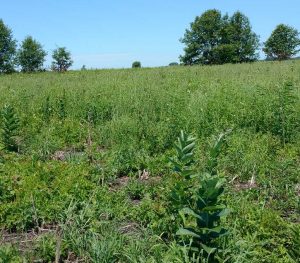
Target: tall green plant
184,160
62,103
294,251
10,128
284,112
46,109
198,200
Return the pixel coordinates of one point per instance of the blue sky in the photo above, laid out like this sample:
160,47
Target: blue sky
114,33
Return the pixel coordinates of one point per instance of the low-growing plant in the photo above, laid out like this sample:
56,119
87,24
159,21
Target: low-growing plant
294,251
45,248
135,189
9,254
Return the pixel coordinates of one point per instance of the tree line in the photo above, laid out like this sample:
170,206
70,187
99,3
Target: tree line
30,56
216,39
212,38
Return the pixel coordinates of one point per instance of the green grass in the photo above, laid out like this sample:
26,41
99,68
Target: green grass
81,131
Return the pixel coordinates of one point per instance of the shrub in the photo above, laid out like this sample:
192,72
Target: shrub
136,64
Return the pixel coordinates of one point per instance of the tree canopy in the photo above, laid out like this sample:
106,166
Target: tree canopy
61,59
7,49
283,43
136,64
216,39
31,55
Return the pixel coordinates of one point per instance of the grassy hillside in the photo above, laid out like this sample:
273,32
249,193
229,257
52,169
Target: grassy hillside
90,177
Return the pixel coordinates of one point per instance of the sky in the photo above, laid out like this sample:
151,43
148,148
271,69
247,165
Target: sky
114,33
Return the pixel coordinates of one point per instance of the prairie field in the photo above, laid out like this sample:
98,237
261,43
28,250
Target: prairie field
89,178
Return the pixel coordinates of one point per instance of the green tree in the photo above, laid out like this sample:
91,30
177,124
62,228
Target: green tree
283,43
202,37
136,64
7,49
243,41
216,39
61,59
31,55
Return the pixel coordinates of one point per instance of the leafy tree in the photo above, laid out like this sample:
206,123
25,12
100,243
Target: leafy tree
136,64
62,59
225,53
244,42
31,55
202,37
283,43
213,39
7,49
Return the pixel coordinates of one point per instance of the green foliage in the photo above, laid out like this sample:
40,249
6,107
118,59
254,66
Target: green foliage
202,37
135,190
47,109
215,152
76,159
10,128
283,43
61,59
31,55
238,33
249,154
285,122
45,248
199,201
185,155
7,49
62,103
173,64
9,254
213,39
294,252
136,64
201,223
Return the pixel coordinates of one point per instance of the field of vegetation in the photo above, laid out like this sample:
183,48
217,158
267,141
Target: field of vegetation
86,174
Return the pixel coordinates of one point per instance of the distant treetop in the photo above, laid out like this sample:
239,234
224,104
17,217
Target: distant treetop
7,49
31,55
283,43
216,39
136,64
61,59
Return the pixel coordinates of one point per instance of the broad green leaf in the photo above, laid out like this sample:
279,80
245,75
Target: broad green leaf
208,250
185,232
